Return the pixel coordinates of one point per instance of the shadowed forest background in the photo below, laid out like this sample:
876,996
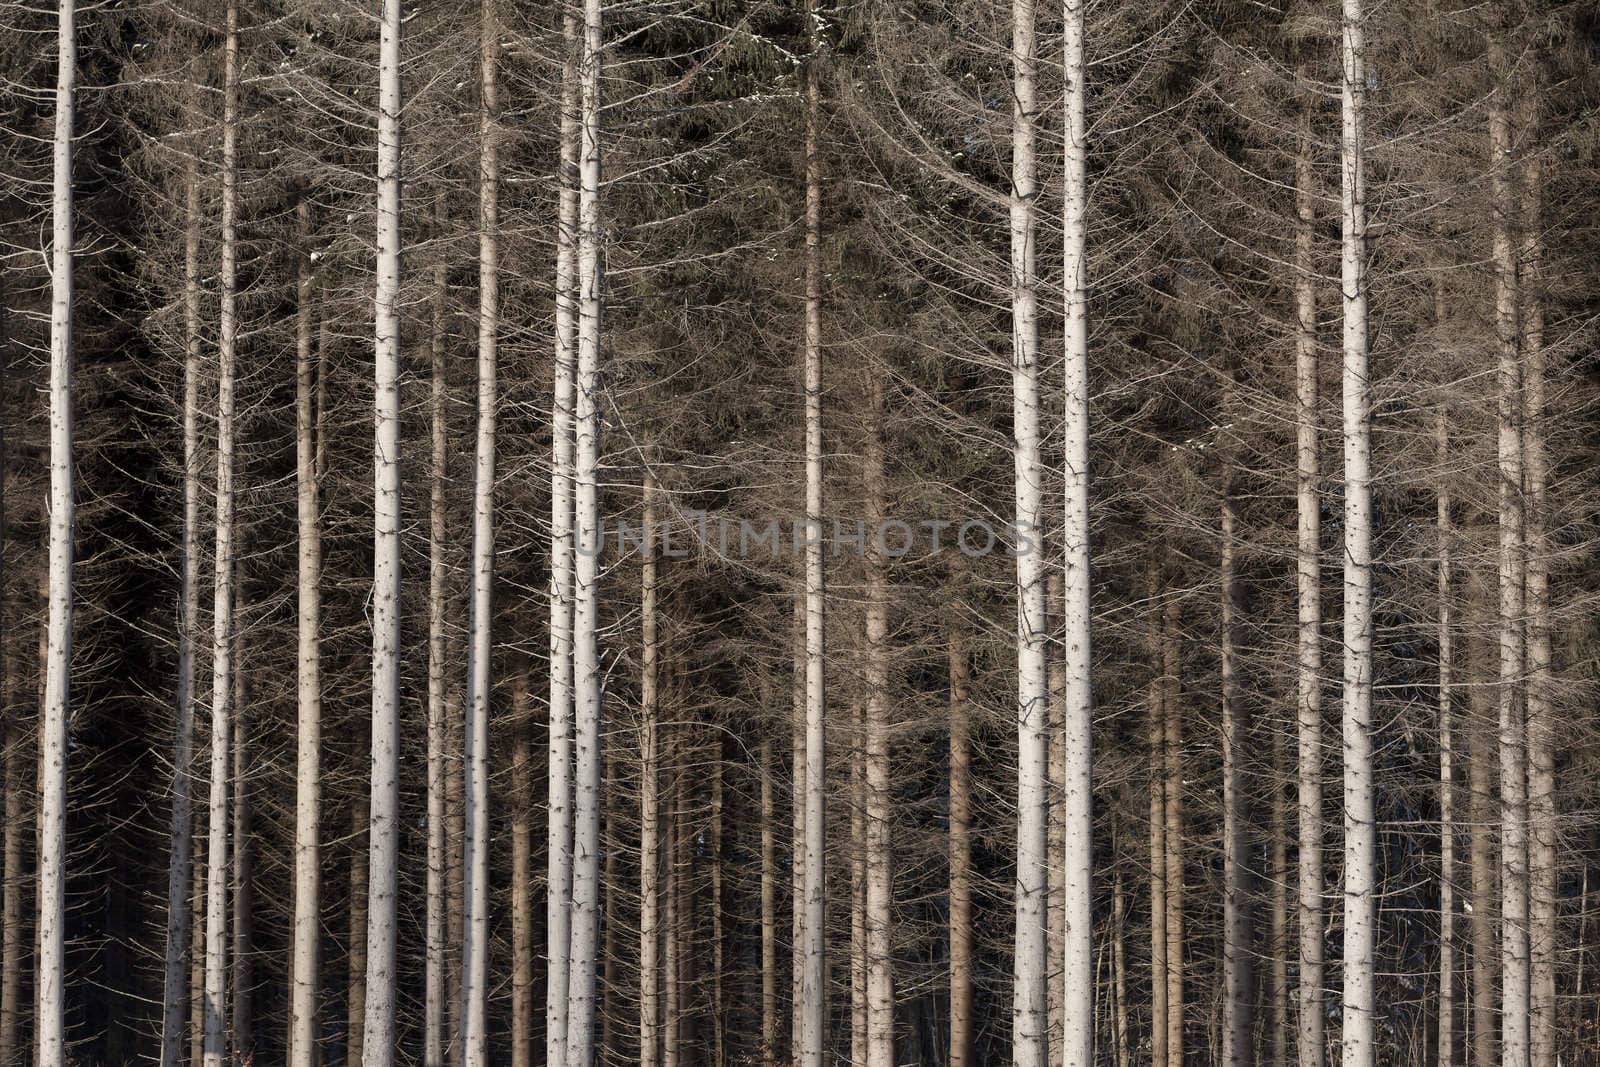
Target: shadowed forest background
654,261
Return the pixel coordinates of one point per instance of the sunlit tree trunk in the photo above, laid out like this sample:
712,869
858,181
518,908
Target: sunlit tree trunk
377,1046
1119,922
480,648
243,857
879,798
1172,763
1481,815
797,841
438,931
650,802
1055,833
1447,798
222,600
960,847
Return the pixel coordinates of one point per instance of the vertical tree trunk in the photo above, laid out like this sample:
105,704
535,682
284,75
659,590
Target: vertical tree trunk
586,583
1055,831
1172,762
455,836
858,887
1275,1024
558,851
1238,948
1077,714
650,799
181,840
961,1008
1447,831
11,923
377,1045
480,649
243,860
879,858
813,1003
769,912
1480,756
521,873
356,970
1308,640
1513,766
1119,919
438,930
608,949
797,843
197,962
1029,1020
718,945
673,995
1156,738
222,600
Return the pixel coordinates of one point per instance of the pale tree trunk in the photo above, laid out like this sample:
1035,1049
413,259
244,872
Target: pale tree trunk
521,873
1156,745
455,834
243,859
1119,967
222,600
1513,737
480,648
1480,756
858,888
197,962
1308,639
1542,871
1447,800
356,965
1172,763
813,1004
308,684
1055,828
673,994
1029,1018
769,913
438,931
15,879
1077,703
586,673
181,838
650,801
797,843
377,1046
1238,948
608,948
960,846
1275,1004
1360,814
879,911
719,1034
558,848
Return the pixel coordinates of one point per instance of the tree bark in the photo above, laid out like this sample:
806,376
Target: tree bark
1447,830
521,872
356,969
1156,738
1172,762
1238,948
377,1045
1480,757
650,801
216,976
436,968
960,845
16,881
769,911
480,649
1275,1022
879,911
243,959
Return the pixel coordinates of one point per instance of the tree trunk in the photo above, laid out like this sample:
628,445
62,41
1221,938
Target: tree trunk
650,799
1029,1019
1172,761
243,861
1077,714
1238,948
436,992
222,601
1308,640
1480,756
521,872
879,909
1447,831
455,836
797,843
858,887
813,1002
356,971
1514,967
1156,737
306,934
1055,830
769,913
586,668
558,851
1275,1024
673,994
962,1019
480,649
197,962
181,836
1119,914
718,945
16,881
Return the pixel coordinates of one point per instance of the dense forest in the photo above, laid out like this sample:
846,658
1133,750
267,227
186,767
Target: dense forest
717,532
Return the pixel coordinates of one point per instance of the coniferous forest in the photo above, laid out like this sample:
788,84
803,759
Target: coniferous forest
699,533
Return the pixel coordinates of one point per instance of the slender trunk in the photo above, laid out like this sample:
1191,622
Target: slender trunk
197,962
1513,725
718,946
1447,830
558,850
1308,640
1480,756
521,873
181,838
1275,1025
608,948
1172,761
1238,949
673,994
356,970
1119,918
1077,703
858,887
813,1003
455,835
650,799
962,1019
1542,871
879,911
480,649
1029,1020
243,861
15,879
1055,832
586,673
1156,739
308,684
769,913
222,601
436,995
797,843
